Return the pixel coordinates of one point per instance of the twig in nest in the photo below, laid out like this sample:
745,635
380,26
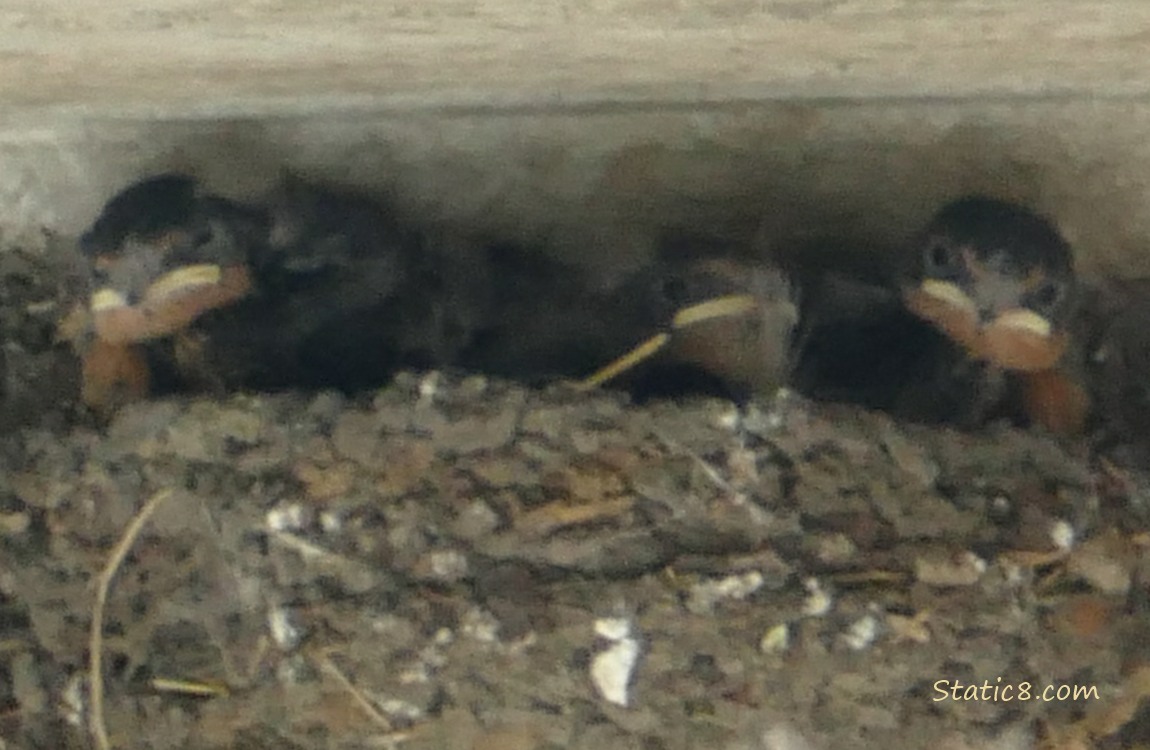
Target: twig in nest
308,550
361,700
708,470
96,723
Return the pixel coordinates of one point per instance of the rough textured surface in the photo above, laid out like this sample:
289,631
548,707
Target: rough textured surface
794,576
293,56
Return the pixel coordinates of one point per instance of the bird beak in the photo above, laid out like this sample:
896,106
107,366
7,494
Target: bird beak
184,280
106,299
170,304
1024,322
719,307
1016,339
948,294
1022,340
948,308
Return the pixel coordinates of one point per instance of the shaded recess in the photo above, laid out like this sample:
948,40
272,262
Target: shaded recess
597,194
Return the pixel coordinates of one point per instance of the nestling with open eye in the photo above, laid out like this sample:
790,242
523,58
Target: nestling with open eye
998,280
161,254
317,287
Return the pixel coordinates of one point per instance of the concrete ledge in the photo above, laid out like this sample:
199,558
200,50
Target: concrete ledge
180,58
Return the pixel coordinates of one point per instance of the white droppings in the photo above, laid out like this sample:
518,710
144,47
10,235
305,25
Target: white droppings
776,640
479,625
284,632
613,668
977,563
782,402
74,705
401,709
331,522
818,601
292,517
706,594
730,419
613,628
963,568
419,673
1062,535
448,565
429,387
862,633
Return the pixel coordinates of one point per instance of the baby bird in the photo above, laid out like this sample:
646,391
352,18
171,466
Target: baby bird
734,320
163,253
160,255
998,280
328,272
318,287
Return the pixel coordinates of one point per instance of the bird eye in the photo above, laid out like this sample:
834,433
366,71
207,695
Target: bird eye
202,236
675,291
1047,296
939,255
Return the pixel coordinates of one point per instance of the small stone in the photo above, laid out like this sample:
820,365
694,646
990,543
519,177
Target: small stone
323,483
706,594
474,434
819,601
477,520
776,640
356,436
445,566
13,524
1106,562
962,569
862,633
911,457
